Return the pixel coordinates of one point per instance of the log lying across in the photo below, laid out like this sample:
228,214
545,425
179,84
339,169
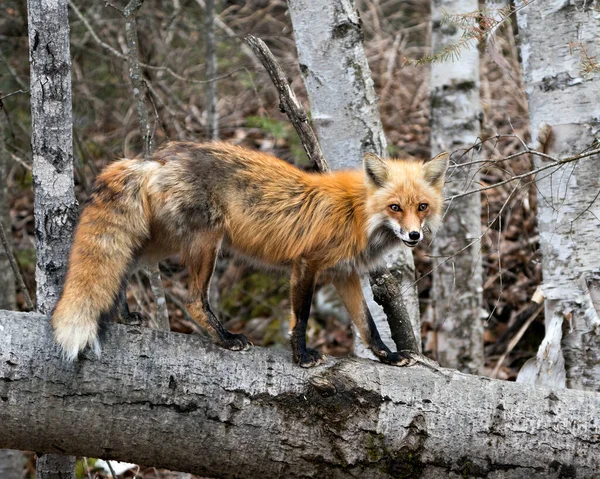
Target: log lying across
177,401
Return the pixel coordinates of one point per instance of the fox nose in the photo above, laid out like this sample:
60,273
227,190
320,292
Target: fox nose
414,235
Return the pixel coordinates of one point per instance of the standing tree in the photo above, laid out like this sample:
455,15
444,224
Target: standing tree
457,275
346,118
55,206
563,88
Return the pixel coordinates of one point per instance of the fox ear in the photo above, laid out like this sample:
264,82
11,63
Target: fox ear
376,170
435,169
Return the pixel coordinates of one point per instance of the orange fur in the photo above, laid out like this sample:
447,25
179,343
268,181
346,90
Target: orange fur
193,196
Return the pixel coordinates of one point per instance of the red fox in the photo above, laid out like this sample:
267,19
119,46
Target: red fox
194,198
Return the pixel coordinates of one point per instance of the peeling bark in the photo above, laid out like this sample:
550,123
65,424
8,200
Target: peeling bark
568,207
180,402
457,278
346,117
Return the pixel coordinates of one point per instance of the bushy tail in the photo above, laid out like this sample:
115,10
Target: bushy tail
112,228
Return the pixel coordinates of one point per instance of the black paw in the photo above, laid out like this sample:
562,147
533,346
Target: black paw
133,319
309,358
235,342
401,358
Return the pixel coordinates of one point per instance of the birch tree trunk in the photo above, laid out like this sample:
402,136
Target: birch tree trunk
180,402
346,118
457,277
567,101
55,206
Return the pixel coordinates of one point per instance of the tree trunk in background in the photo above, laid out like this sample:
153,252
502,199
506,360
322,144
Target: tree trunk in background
255,414
212,119
457,278
346,118
55,206
568,207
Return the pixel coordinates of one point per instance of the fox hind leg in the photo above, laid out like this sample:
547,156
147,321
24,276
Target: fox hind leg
201,257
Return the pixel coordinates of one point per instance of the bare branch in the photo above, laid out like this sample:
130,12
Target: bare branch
554,164
289,104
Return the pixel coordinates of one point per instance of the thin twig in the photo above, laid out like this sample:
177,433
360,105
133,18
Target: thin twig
15,268
11,94
554,164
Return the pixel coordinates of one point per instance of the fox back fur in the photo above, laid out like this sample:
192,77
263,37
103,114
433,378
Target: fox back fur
193,198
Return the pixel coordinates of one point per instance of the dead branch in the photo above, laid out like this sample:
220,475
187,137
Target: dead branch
289,104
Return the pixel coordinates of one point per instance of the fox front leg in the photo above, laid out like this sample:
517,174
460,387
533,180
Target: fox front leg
350,292
302,287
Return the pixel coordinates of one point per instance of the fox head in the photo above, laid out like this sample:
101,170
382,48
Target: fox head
405,196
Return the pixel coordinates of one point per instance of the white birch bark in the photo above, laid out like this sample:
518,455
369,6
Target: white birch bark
55,206
180,402
568,208
457,278
346,118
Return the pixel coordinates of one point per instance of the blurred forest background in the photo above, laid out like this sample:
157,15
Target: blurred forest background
171,37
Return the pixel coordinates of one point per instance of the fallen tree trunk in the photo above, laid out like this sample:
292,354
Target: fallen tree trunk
177,401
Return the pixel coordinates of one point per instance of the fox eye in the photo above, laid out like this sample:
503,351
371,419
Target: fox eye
396,208
423,206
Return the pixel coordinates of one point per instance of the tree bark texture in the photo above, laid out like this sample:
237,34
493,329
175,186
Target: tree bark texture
180,402
55,466
457,277
345,114
566,100
12,464
55,205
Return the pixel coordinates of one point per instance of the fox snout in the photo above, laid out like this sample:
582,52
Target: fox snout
412,237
